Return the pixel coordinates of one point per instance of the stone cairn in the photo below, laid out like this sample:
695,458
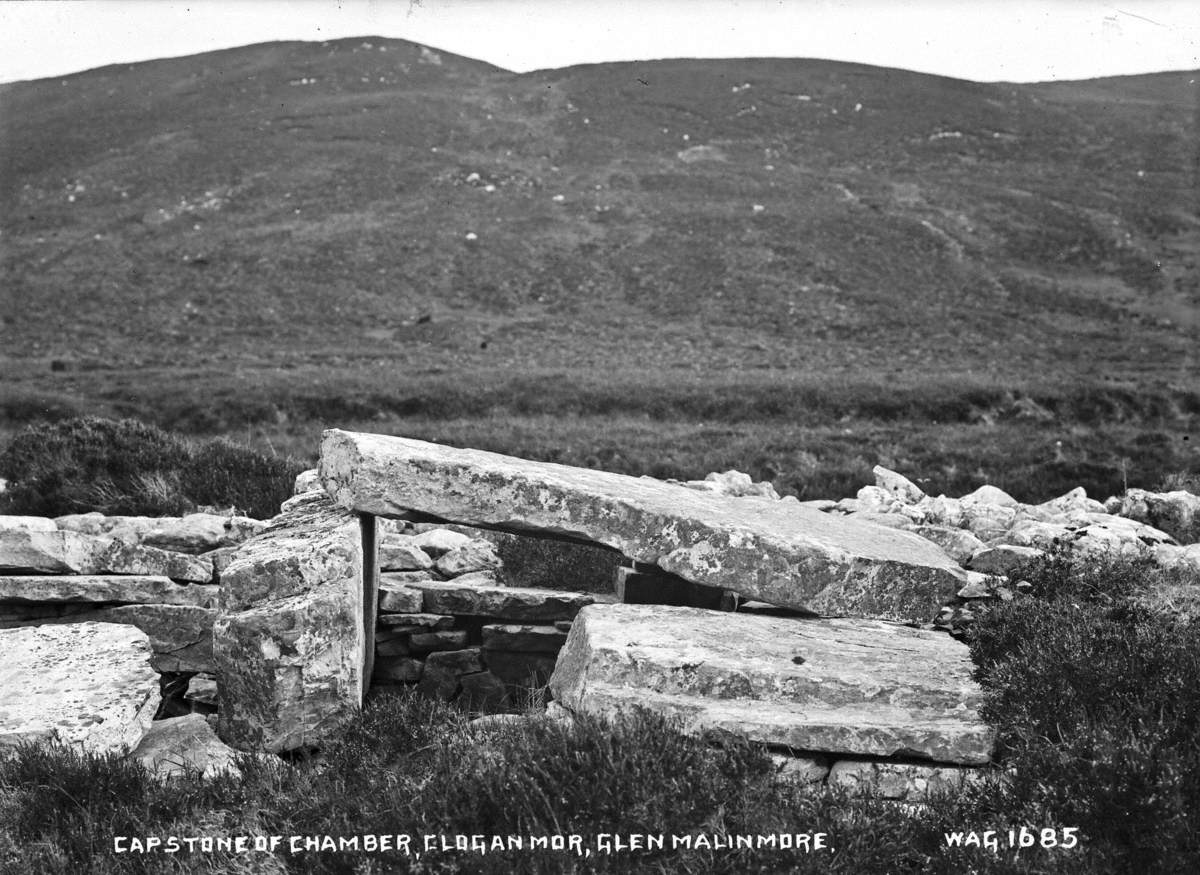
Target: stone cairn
816,628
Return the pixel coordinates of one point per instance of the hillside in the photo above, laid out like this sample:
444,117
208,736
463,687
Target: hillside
299,231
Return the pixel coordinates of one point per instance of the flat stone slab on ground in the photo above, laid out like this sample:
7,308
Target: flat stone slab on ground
180,635
90,682
850,686
112,588
776,551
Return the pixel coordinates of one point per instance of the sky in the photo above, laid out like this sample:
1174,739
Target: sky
985,40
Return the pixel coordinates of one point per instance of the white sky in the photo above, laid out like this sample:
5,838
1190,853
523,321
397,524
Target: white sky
987,40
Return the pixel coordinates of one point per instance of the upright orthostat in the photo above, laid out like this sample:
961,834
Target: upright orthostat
775,551
294,631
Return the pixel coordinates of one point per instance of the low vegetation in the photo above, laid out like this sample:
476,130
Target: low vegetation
127,467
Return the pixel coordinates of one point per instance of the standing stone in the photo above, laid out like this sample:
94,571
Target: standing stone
845,686
774,551
295,631
90,682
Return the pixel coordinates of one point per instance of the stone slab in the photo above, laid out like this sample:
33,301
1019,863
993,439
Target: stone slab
501,602
853,686
57,552
180,635
118,588
124,558
90,682
538,639
295,630
776,551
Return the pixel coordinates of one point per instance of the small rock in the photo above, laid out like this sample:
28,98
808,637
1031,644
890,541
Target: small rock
475,555
898,485
399,599
307,481
181,747
438,542
988,494
399,553
202,688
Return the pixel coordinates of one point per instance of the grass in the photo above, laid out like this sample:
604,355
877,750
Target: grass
128,467
1092,687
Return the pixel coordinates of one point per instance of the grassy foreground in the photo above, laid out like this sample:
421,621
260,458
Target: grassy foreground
1094,687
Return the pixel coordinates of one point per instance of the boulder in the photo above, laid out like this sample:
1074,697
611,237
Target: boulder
900,487
852,686
1004,559
959,544
183,747
988,494
1177,513
114,588
734,483
1073,502
294,637
57,552
774,551
440,679
90,682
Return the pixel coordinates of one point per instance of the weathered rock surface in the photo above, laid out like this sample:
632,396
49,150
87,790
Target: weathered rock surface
508,636
502,602
398,553
898,485
201,532
125,558
90,682
294,635
1177,513
27,524
847,686
475,555
121,589
774,551
57,552
180,635
1005,559
181,747
959,544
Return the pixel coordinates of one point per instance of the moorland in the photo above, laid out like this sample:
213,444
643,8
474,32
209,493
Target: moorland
798,268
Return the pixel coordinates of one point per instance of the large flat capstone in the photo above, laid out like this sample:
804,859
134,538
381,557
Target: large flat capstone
852,686
293,630
775,551
90,682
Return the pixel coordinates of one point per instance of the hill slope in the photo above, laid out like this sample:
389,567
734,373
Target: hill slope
370,214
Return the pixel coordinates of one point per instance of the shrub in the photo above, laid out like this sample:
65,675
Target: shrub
128,467
1096,698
